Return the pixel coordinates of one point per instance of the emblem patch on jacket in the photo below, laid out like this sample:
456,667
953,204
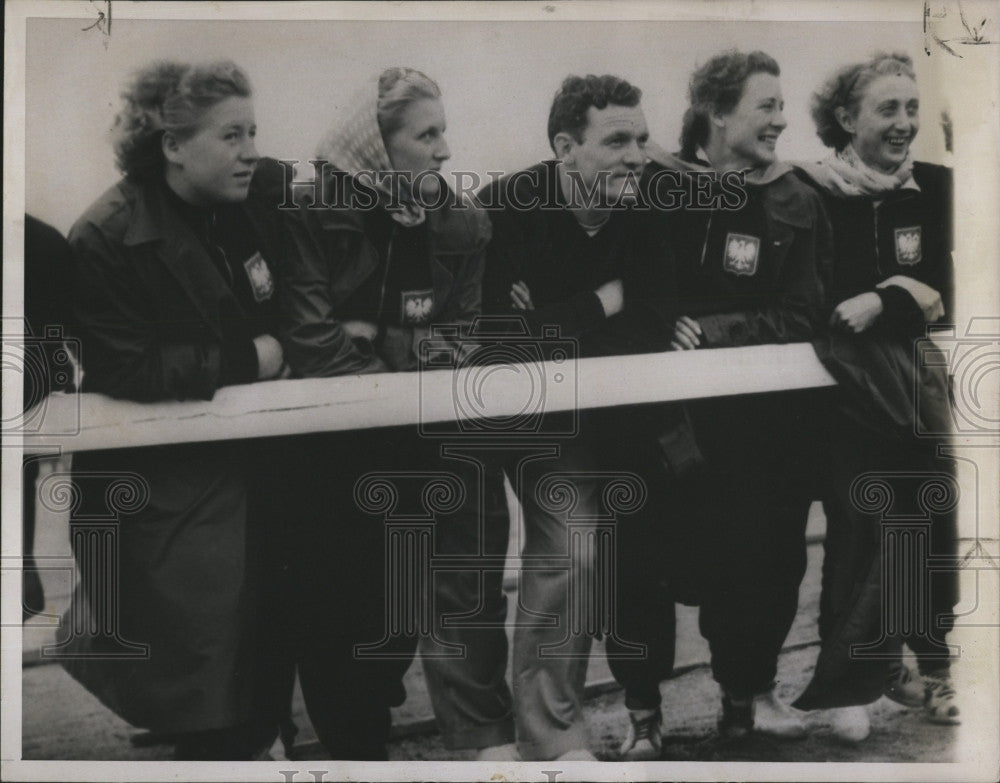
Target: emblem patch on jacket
908,250
260,278
742,254
416,306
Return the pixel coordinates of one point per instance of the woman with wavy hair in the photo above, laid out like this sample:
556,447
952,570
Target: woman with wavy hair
174,295
733,534
891,277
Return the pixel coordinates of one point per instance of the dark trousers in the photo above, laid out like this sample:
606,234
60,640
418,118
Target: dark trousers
329,578
740,557
728,535
855,527
756,563
877,487
472,701
648,581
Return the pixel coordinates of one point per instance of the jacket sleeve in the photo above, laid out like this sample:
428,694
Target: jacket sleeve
651,292
792,313
508,257
314,341
123,354
645,324
465,300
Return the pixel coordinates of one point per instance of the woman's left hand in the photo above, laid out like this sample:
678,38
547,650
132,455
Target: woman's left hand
858,313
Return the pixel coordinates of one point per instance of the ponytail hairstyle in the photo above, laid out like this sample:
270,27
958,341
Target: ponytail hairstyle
716,88
164,97
846,87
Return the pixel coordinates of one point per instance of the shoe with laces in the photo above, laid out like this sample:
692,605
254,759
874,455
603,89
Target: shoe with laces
940,704
903,686
644,741
736,720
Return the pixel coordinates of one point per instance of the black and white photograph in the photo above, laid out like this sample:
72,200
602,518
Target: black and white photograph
546,391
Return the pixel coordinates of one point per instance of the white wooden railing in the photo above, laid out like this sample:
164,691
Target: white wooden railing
85,422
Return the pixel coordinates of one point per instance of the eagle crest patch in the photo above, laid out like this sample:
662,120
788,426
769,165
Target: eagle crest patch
908,251
417,306
259,274
742,254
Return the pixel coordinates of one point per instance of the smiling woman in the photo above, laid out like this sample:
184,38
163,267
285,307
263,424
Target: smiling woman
891,277
174,296
746,274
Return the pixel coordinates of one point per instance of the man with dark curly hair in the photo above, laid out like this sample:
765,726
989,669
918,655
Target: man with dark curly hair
569,257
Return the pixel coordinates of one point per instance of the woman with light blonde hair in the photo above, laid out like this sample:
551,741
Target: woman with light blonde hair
891,277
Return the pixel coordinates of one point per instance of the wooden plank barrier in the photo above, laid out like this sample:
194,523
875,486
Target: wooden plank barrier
86,422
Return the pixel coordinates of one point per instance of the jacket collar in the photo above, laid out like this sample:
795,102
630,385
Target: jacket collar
146,223
451,230
782,192
759,176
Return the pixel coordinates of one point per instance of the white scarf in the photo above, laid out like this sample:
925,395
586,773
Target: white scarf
845,174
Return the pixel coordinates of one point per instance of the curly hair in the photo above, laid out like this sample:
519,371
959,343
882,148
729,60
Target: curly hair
577,94
846,87
397,89
716,87
169,97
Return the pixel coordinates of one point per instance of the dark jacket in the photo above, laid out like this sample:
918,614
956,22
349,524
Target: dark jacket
48,311
750,275
544,246
158,321
906,233
151,304
891,397
329,257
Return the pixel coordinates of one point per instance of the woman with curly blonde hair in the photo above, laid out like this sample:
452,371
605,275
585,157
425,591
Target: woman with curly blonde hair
891,277
174,296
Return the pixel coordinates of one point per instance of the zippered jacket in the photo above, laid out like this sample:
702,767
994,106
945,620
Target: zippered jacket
749,269
749,273
328,256
906,234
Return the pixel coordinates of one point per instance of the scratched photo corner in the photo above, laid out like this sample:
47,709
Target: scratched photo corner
545,391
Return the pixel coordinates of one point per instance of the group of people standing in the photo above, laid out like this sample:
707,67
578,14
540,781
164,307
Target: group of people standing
253,560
